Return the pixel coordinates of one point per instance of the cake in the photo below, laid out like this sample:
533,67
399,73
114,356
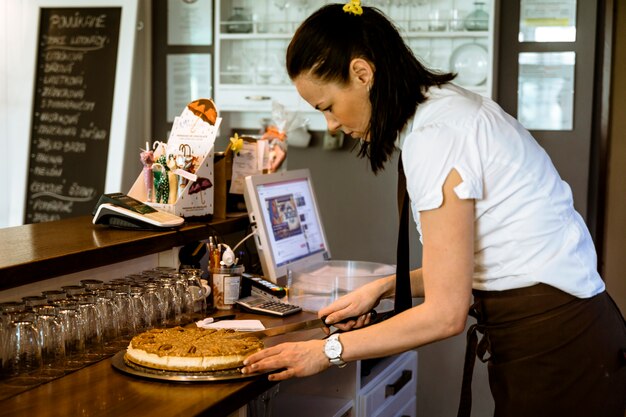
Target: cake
191,349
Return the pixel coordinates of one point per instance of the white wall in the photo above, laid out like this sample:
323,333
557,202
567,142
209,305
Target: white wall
4,133
16,51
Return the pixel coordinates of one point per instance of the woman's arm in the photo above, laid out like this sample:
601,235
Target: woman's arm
417,283
362,300
445,280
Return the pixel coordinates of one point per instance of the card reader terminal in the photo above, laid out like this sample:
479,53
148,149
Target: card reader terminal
123,211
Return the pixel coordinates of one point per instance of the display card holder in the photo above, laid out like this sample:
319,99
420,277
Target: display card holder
188,155
231,168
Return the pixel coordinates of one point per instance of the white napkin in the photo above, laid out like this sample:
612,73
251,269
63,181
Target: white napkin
240,325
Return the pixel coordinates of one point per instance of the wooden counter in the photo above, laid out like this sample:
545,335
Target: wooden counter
35,252
101,390
42,251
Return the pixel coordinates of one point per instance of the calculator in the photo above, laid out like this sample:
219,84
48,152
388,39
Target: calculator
256,303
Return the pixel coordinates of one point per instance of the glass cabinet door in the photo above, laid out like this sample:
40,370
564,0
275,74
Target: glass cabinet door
252,37
546,79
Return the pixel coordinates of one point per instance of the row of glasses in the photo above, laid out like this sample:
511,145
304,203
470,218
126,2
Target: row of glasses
45,336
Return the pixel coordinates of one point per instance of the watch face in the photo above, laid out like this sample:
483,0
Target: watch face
333,348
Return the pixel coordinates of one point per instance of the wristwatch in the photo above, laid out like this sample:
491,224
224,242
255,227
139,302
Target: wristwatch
333,349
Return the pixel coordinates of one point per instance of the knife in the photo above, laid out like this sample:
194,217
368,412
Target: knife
294,327
286,328
373,319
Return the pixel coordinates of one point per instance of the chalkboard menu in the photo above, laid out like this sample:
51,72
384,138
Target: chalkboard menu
71,120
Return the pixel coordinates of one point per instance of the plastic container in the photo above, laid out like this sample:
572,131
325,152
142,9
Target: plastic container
316,286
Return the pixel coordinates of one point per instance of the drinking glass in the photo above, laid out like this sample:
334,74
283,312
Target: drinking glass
180,283
142,321
4,332
7,310
153,304
457,20
50,333
437,20
92,284
107,312
125,313
54,295
23,349
139,279
164,269
11,306
283,7
73,291
90,323
196,290
172,301
186,300
34,301
71,328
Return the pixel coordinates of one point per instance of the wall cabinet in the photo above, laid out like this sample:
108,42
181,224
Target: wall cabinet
251,37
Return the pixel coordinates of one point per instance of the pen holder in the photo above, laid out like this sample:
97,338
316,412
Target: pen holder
225,283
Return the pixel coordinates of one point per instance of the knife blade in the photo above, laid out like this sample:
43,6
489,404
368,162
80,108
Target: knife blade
286,328
373,317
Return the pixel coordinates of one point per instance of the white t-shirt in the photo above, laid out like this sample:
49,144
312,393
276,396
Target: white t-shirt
527,230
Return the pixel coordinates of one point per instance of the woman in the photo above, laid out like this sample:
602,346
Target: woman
494,218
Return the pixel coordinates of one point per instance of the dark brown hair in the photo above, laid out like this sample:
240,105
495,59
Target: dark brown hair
328,40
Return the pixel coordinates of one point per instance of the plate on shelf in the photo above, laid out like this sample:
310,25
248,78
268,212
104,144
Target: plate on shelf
471,62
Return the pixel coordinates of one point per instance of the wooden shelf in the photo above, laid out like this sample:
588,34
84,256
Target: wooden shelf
35,252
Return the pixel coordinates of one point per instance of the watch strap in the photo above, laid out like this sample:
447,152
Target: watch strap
338,362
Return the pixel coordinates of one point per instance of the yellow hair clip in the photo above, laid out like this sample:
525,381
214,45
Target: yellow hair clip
354,7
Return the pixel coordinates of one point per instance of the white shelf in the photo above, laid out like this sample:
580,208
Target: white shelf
252,64
446,34
255,36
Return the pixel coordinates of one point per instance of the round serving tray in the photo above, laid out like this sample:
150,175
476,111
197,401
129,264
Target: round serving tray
118,362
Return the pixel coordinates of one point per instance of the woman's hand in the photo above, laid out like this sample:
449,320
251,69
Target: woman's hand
295,359
357,304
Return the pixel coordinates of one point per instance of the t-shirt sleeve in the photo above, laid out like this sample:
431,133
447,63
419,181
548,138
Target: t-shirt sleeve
430,153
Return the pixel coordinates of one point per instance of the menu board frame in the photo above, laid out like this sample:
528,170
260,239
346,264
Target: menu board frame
19,145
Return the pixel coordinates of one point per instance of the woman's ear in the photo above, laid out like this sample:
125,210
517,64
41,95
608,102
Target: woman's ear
362,72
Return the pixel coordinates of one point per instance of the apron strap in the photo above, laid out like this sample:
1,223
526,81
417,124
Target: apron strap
402,299
473,349
465,405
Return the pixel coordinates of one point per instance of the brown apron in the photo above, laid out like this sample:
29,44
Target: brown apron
549,353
